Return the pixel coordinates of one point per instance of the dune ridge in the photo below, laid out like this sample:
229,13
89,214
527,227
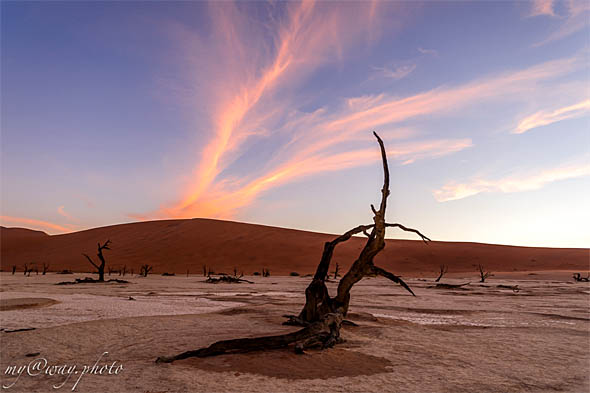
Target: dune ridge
177,245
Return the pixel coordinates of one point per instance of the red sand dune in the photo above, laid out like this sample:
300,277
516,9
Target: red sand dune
178,245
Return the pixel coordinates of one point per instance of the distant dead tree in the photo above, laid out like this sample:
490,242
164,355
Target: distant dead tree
205,273
443,270
112,270
265,272
187,272
13,269
578,277
226,278
45,268
322,315
28,270
123,271
145,270
336,271
483,274
99,268
36,270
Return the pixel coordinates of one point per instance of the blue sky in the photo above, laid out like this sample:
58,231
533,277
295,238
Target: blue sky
262,112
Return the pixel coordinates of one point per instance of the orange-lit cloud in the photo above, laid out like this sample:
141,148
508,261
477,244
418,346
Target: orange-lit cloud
224,200
545,117
307,37
542,7
574,17
454,191
62,212
253,105
36,224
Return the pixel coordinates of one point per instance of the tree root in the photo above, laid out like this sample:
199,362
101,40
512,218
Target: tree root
324,334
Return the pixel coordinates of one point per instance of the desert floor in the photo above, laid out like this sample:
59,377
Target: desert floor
481,338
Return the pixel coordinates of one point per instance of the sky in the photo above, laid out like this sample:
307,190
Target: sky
263,112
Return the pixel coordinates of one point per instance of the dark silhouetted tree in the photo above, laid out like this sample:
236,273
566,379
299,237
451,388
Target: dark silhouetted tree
99,268
322,315
483,275
145,270
443,271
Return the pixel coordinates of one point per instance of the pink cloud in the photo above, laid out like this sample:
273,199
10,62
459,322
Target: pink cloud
246,106
65,214
454,191
36,224
545,117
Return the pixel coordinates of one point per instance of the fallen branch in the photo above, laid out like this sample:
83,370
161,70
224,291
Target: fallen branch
88,280
448,286
226,278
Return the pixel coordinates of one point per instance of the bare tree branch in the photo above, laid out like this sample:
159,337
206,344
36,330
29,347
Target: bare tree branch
90,260
384,273
400,226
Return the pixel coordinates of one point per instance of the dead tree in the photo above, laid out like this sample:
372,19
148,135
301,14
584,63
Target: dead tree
226,278
28,270
265,272
483,274
336,271
443,271
205,271
99,268
45,268
13,269
577,277
322,315
145,270
123,271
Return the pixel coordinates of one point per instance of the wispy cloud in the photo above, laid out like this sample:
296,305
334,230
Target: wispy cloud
518,183
545,117
253,103
320,141
227,197
63,213
305,37
432,52
36,224
396,73
574,17
541,7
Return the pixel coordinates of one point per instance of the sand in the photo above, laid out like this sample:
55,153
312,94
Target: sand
483,338
174,246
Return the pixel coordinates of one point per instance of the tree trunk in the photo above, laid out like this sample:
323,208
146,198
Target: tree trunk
322,315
